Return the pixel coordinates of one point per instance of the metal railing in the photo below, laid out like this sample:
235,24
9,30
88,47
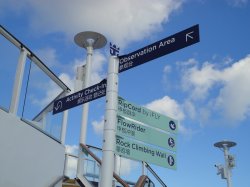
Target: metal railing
98,160
92,164
26,100
155,175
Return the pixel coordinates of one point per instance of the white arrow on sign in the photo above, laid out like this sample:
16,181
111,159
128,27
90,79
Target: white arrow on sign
188,35
58,106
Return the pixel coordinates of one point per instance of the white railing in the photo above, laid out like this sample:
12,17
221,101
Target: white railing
28,98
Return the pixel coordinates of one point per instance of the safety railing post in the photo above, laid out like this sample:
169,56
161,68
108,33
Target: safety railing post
18,81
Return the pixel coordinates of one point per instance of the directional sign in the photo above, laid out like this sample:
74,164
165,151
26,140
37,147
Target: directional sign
165,46
88,94
145,134
138,151
146,116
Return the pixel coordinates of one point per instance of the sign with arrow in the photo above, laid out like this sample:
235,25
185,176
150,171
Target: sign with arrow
139,151
165,46
88,94
146,116
135,130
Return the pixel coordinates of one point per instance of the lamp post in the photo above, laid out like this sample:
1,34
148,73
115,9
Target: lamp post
225,170
90,41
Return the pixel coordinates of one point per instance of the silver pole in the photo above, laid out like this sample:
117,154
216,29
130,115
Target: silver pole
86,84
108,147
18,81
85,109
90,41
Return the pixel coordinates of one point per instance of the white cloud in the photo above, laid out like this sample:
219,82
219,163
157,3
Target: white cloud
233,98
226,90
200,81
190,109
189,62
167,106
122,21
167,69
98,126
97,73
170,107
67,80
48,56
187,131
51,90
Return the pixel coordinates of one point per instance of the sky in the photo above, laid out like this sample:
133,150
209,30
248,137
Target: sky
203,86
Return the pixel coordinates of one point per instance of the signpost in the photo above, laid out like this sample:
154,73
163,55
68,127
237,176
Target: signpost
144,115
145,134
139,151
129,132
124,146
160,48
88,94
126,129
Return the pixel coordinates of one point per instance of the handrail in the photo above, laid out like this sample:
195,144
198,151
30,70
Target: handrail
146,164
33,58
122,182
155,175
94,147
141,181
48,108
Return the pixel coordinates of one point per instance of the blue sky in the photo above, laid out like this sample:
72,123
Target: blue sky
204,86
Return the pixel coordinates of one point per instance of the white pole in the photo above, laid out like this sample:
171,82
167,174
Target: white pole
80,74
227,169
86,105
80,77
64,126
85,110
18,81
108,147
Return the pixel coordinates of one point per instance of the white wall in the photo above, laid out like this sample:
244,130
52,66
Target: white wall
28,158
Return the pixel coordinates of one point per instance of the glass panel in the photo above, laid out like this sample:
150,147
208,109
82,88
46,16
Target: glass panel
40,92
91,166
54,124
9,55
37,92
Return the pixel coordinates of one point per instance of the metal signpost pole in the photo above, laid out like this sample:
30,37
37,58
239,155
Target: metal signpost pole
107,167
90,41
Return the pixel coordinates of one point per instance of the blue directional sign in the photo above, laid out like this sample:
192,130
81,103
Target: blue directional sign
88,94
165,46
